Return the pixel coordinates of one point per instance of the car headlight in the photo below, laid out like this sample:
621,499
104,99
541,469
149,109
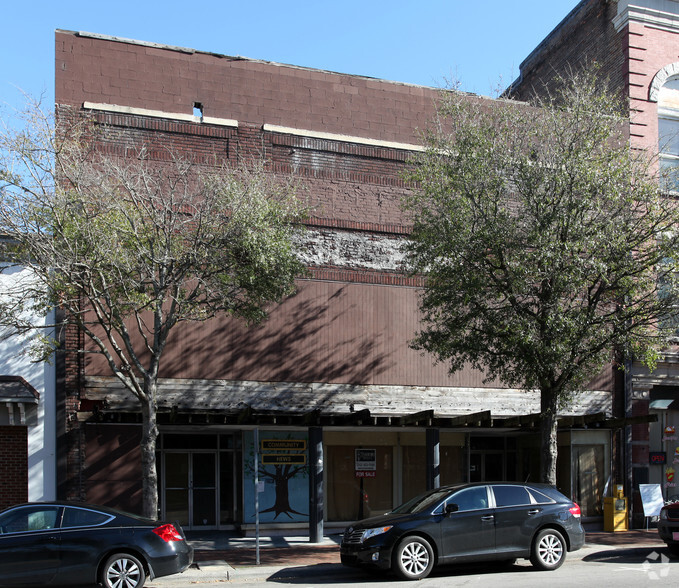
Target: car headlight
368,533
663,514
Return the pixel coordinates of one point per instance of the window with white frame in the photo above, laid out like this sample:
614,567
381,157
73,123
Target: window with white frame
668,133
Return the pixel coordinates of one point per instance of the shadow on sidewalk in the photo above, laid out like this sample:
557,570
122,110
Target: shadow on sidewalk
648,554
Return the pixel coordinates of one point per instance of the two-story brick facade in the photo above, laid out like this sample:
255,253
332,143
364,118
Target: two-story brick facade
330,376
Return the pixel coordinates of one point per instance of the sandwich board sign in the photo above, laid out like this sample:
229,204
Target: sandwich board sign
652,499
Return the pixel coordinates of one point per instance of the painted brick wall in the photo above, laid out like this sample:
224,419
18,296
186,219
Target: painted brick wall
13,465
112,466
346,185
159,78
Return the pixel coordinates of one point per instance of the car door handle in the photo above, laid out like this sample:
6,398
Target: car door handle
534,511
487,518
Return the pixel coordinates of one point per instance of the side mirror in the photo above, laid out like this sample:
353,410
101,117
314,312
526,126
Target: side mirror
451,508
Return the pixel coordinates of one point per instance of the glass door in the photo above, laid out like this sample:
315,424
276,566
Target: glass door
203,490
190,483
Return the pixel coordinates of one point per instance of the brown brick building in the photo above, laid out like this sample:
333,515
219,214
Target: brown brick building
332,366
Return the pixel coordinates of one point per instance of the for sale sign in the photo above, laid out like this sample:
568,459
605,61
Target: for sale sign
364,474
365,461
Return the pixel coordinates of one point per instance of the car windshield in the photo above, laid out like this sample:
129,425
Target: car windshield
423,502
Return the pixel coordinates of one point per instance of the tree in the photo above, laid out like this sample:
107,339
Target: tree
545,241
131,239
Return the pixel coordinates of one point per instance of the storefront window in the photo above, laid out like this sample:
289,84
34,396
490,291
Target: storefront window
590,476
414,471
200,478
354,494
453,461
400,470
492,458
583,467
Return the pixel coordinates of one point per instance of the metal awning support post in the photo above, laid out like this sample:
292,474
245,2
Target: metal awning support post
256,440
433,459
315,484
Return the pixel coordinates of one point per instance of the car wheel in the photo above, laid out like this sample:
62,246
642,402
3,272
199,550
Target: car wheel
123,570
413,558
549,550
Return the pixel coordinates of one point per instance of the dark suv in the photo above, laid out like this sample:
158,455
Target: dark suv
668,525
470,522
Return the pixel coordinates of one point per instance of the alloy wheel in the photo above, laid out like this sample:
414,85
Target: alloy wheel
123,571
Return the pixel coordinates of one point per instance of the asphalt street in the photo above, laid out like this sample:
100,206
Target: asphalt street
623,566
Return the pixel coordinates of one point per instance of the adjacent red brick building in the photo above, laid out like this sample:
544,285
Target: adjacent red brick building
13,465
636,45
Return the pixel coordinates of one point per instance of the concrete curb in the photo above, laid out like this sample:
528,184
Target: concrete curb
220,571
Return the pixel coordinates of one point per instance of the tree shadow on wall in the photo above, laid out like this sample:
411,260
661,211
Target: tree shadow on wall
302,341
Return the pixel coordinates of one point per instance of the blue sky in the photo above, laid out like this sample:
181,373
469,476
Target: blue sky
481,43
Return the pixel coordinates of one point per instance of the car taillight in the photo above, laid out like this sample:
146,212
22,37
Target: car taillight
575,510
168,533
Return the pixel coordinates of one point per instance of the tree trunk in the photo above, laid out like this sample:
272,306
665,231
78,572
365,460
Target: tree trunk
281,504
548,433
148,458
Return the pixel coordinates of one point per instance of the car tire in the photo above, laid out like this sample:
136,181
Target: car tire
549,550
413,558
122,570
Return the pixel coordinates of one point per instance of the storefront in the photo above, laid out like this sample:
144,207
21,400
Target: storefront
664,440
208,478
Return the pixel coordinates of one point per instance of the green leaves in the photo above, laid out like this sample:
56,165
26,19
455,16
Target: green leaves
537,228
132,240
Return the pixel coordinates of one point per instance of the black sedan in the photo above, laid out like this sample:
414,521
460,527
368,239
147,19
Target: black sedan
62,543
471,522
668,526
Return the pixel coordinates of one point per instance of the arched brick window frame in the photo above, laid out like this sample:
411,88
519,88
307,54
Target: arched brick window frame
664,91
660,78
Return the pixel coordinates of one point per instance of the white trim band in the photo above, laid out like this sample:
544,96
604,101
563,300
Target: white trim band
660,14
341,138
210,120
266,127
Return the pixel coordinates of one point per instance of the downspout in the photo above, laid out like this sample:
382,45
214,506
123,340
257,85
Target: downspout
626,438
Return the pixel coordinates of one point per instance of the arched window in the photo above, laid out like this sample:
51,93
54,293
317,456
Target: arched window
668,132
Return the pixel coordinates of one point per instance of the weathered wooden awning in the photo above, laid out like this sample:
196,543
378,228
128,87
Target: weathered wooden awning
585,421
247,416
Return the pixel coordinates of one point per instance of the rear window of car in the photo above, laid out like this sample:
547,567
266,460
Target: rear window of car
81,517
511,495
539,497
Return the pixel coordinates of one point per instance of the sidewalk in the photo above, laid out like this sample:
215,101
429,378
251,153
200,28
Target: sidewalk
636,537
279,551
241,551
221,556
